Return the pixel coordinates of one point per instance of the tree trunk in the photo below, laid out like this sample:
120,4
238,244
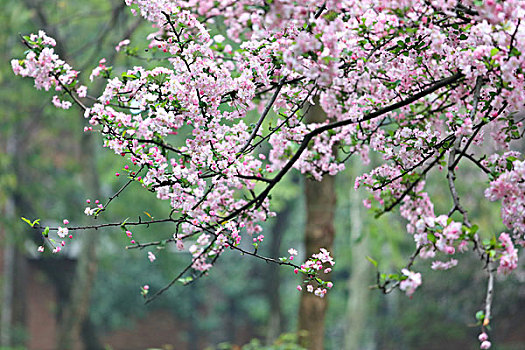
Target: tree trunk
77,311
319,233
15,268
359,279
8,262
273,282
8,270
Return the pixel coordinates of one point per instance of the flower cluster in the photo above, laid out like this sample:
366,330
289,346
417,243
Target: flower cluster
317,265
411,282
509,187
45,67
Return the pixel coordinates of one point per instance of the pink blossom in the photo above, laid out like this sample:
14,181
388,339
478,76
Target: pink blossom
122,44
62,232
509,256
440,265
485,345
82,91
61,104
410,284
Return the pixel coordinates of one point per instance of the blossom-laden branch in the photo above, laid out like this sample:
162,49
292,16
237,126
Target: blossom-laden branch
213,128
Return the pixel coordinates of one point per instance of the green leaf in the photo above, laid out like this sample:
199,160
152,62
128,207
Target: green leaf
123,224
185,280
27,221
480,315
372,261
125,75
46,232
494,52
394,276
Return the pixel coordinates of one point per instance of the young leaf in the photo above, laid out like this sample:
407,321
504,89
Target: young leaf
27,221
372,261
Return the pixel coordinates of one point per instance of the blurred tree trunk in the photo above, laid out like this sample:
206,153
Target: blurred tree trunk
77,311
359,278
273,282
18,320
8,258
16,263
8,273
194,333
319,233
75,324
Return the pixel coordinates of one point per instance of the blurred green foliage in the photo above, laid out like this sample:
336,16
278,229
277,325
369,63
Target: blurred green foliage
231,304
287,341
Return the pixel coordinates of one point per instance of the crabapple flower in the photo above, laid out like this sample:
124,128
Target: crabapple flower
62,232
485,345
509,187
122,44
509,256
218,38
178,242
320,292
441,265
61,104
82,91
151,257
483,337
412,281
144,290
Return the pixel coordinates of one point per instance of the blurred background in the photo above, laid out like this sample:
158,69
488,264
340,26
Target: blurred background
89,296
